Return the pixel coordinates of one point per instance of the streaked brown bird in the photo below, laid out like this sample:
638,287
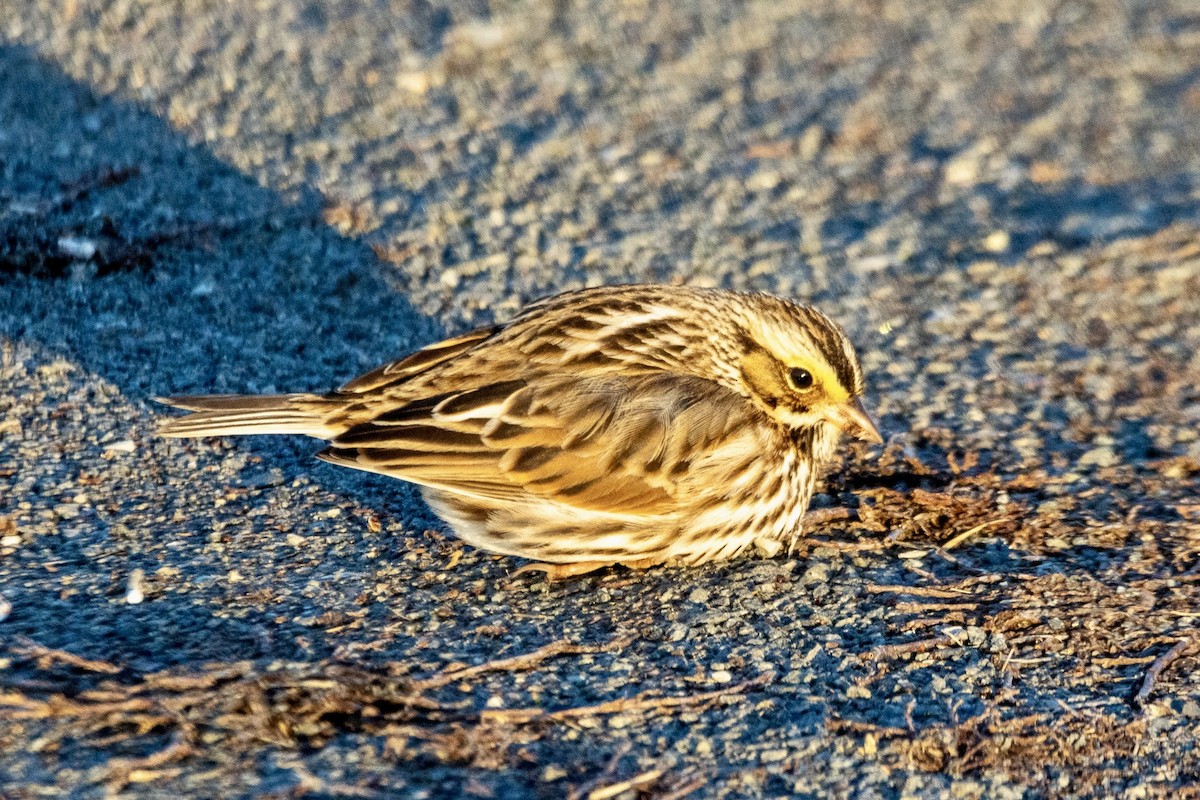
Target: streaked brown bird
634,425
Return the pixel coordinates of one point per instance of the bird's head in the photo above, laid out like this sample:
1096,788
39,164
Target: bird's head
799,367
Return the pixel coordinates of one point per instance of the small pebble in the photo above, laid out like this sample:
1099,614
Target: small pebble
134,592
553,773
77,247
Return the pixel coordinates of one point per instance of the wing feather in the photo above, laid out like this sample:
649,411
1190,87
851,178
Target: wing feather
396,372
616,444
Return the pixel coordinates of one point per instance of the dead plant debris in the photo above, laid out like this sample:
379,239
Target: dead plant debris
241,706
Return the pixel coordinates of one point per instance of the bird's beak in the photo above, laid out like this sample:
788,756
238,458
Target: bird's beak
852,419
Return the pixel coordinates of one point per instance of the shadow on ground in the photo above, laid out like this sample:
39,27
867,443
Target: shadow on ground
131,255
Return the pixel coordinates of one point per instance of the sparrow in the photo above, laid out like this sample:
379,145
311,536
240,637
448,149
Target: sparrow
635,425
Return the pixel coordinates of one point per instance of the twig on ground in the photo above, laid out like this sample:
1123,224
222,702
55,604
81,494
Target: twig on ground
517,663
167,681
1122,661
839,725
955,541
124,771
31,649
889,651
870,545
1159,666
58,706
928,607
520,716
308,782
586,789
9,701
815,518
686,784
918,591
614,789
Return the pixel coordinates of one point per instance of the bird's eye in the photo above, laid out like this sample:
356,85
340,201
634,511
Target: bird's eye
800,379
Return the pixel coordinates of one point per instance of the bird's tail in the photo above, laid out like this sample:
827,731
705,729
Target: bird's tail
236,415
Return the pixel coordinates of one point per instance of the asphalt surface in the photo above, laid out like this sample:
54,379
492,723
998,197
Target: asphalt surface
999,201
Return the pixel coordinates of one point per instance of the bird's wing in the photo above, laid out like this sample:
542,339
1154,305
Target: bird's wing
613,444
396,372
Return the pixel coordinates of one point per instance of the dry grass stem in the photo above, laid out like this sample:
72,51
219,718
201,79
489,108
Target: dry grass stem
890,651
638,703
955,541
517,663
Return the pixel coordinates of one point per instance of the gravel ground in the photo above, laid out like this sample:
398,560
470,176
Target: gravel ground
999,200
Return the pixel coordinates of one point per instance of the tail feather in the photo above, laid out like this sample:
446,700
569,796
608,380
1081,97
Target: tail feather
236,415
